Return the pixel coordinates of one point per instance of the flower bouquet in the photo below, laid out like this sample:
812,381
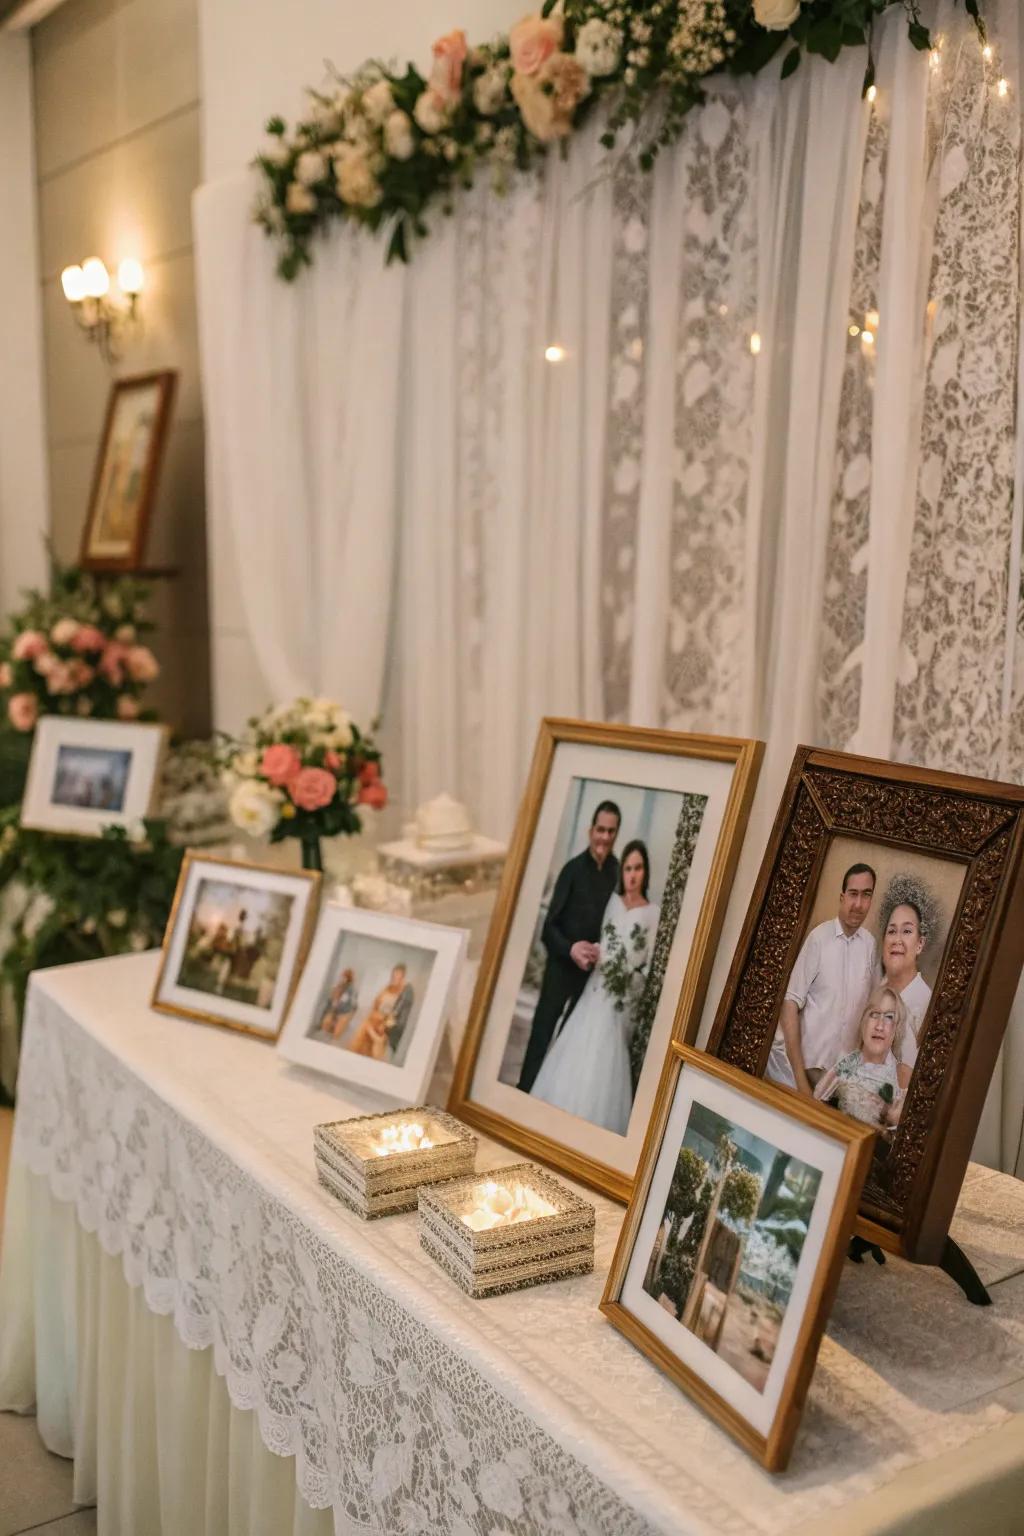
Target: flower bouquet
77,651
302,770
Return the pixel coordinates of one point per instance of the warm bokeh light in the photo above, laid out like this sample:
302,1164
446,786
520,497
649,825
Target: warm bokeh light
73,283
130,278
96,278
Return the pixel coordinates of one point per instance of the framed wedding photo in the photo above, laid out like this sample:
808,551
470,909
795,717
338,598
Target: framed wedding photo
235,943
730,1255
85,775
374,999
602,940
125,478
876,968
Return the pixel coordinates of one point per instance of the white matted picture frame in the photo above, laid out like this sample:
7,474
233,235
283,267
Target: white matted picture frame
733,1244
235,944
85,775
374,998
602,940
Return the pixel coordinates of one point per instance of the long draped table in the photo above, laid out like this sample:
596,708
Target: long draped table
187,1307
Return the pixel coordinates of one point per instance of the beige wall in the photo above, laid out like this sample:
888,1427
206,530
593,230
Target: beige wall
116,87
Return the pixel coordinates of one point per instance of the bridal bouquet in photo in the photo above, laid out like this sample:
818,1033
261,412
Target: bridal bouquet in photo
77,650
302,770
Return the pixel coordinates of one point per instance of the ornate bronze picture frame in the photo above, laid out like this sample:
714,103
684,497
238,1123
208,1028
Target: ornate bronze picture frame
946,846
127,470
570,1075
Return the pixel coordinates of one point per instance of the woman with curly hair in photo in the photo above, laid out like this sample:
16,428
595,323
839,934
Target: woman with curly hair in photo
909,921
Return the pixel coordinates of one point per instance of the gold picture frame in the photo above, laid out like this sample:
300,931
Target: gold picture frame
638,761
173,996
127,469
718,1374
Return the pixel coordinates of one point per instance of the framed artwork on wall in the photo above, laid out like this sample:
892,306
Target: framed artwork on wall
236,941
602,939
876,968
730,1255
125,480
85,775
374,999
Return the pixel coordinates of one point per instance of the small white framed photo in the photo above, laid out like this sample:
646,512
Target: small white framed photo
235,943
373,1000
86,775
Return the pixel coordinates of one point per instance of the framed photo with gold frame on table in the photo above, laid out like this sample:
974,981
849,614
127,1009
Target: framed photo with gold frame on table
730,1255
602,939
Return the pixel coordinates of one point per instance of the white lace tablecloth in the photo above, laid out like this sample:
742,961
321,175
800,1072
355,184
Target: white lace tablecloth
410,1408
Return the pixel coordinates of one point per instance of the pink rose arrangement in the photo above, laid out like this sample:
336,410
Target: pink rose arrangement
305,770
77,650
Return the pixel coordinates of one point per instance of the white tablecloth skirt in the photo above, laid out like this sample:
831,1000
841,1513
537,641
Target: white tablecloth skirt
156,1440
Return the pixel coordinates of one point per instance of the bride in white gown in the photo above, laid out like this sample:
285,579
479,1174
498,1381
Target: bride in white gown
586,1072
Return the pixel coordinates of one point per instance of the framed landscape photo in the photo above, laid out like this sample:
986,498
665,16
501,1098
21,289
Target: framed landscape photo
125,479
374,998
876,968
85,775
602,939
235,943
730,1255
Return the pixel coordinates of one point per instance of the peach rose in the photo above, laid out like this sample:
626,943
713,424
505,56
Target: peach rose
45,663
29,644
23,711
61,678
280,764
373,795
6,675
112,663
332,761
449,57
548,99
369,773
64,631
312,789
81,672
88,638
142,664
127,707
533,40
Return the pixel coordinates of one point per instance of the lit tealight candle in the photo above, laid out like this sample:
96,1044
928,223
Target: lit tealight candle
498,1206
401,1138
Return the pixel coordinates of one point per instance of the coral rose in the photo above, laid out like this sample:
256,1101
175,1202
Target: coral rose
332,761
533,40
142,664
449,57
127,707
373,795
112,663
369,773
23,711
29,644
312,789
280,764
89,638
6,675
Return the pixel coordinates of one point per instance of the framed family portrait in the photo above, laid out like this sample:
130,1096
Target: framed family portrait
876,969
374,998
602,939
85,775
730,1255
125,479
235,943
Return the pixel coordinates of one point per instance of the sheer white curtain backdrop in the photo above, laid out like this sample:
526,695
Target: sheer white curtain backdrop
769,486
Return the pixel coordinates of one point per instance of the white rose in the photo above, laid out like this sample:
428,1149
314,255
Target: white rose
310,168
117,918
398,136
254,807
277,151
325,115
776,15
430,112
125,633
299,199
360,132
598,47
357,184
490,91
246,765
378,102
64,631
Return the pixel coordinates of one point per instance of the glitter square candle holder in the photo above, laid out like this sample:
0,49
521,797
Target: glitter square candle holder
376,1163
508,1228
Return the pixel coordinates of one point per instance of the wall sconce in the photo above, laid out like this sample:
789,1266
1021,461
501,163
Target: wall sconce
103,319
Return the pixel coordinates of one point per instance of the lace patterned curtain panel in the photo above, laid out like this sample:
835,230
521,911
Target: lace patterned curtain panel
770,483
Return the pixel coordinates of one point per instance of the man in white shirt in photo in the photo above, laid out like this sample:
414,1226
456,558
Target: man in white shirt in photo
828,988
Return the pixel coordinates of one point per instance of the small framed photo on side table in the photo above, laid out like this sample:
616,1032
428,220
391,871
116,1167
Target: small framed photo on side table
85,775
235,943
125,480
732,1247
374,999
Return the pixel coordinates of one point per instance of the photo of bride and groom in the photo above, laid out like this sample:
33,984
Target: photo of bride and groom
601,940
856,1005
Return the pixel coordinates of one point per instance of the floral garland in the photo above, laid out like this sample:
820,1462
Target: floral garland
383,146
77,650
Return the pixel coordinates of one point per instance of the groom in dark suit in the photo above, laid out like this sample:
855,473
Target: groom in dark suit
571,933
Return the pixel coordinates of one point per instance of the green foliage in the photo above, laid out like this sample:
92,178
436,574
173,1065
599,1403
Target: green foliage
741,1194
